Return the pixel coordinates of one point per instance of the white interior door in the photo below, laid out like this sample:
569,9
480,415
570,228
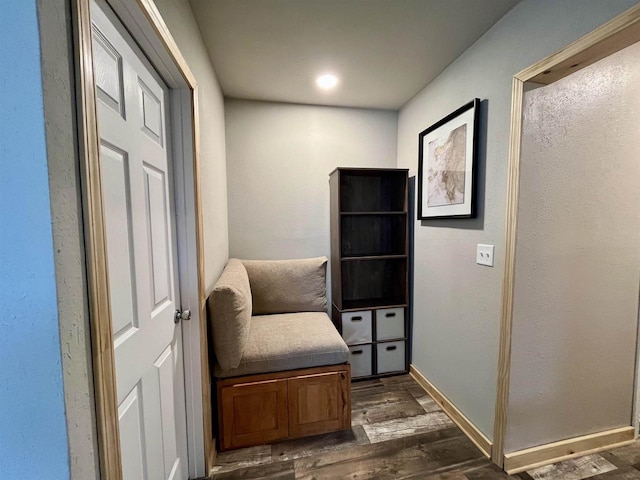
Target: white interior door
141,253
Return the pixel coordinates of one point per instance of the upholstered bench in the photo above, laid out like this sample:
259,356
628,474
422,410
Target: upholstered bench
280,365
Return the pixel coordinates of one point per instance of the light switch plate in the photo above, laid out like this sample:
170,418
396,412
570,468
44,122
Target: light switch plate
484,255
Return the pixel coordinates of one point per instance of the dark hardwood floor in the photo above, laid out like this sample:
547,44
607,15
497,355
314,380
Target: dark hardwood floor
399,432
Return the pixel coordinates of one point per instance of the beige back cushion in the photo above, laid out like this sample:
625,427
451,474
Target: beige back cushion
288,286
230,311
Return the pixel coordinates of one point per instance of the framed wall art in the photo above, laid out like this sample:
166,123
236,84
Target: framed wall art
447,165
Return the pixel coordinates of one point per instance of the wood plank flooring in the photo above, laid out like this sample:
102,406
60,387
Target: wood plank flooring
399,432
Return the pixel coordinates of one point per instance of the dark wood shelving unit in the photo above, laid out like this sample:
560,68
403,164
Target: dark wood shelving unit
373,213
372,257
369,263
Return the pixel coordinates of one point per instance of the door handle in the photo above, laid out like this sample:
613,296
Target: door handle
181,315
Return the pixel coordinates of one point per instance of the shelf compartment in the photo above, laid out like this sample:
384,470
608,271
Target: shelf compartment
373,191
373,303
390,357
357,327
390,324
371,283
366,235
373,257
374,213
360,358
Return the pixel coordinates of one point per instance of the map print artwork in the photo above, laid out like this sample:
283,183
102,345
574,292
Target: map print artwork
446,173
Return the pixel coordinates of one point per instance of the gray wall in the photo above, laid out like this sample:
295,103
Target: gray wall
279,157
457,304
179,18
577,256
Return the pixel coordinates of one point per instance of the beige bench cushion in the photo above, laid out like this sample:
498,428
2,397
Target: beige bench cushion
230,313
287,286
288,342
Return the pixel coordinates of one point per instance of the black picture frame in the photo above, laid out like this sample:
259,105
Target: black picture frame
435,134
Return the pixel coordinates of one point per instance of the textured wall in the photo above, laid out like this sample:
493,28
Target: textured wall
179,18
64,181
457,304
577,256
33,438
279,157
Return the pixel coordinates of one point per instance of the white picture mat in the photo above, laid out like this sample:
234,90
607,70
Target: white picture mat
468,118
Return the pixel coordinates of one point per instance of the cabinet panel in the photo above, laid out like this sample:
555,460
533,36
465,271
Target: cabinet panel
254,413
263,408
390,323
356,327
319,404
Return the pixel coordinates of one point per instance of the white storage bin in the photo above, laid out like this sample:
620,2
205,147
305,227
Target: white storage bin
390,357
356,327
360,360
389,323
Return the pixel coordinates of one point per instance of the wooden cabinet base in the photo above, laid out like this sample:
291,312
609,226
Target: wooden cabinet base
259,409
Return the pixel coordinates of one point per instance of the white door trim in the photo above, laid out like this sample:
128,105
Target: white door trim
144,23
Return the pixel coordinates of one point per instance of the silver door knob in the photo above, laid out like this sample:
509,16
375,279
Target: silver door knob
182,315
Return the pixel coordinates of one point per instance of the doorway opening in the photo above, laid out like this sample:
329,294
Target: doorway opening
614,36
141,20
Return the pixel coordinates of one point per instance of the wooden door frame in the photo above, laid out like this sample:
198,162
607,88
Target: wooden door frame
620,32
144,22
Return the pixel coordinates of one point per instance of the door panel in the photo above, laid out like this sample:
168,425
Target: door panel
141,254
157,226
131,438
166,369
151,109
108,63
117,200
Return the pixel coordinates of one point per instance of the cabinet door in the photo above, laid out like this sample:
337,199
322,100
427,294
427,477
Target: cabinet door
319,403
253,413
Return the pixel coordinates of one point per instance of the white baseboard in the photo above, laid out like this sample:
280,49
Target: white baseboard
534,457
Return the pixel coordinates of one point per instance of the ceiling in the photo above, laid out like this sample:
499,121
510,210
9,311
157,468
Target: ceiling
383,51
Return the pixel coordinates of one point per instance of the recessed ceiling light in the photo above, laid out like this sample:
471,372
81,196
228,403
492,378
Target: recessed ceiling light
327,81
